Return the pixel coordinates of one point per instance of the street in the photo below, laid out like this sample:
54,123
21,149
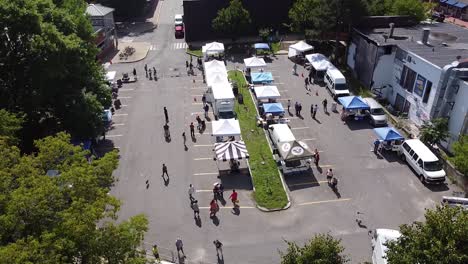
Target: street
385,192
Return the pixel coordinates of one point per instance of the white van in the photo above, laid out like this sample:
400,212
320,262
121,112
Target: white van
376,113
426,165
178,20
336,82
380,238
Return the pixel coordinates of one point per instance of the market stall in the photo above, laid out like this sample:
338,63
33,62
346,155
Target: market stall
299,49
254,62
353,106
262,77
319,65
262,48
389,137
271,110
266,92
294,150
212,79
110,76
225,128
213,50
231,150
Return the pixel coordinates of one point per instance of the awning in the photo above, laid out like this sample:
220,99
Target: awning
225,127
388,133
222,91
266,92
294,150
214,64
461,5
318,61
273,108
232,150
110,76
261,46
213,48
216,71
299,47
451,2
353,102
254,62
262,77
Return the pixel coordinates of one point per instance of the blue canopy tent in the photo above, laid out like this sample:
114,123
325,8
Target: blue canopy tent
353,103
273,108
388,134
262,46
262,77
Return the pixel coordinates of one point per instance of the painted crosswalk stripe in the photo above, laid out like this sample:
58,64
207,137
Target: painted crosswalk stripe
153,47
179,45
206,173
111,136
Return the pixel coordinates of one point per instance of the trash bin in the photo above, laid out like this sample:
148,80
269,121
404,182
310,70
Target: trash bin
240,99
235,91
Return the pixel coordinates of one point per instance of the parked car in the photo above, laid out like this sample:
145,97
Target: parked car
376,113
178,19
437,16
179,31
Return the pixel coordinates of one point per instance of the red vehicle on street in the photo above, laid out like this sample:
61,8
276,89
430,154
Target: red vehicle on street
179,31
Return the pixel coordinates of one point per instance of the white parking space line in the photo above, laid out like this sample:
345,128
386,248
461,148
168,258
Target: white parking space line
308,139
120,115
206,173
229,207
198,191
123,105
119,124
125,97
283,99
211,145
203,159
126,89
327,201
297,128
112,136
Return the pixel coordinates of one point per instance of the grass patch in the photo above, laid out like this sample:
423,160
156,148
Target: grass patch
195,52
275,47
269,191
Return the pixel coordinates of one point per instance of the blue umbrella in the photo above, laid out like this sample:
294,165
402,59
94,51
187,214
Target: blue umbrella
353,103
388,134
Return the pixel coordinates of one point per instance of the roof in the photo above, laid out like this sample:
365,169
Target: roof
423,151
98,10
226,127
319,61
446,41
283,131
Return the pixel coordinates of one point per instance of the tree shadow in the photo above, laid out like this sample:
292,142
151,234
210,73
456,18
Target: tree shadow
102,147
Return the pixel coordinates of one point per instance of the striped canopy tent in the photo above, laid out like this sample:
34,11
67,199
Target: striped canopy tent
231,150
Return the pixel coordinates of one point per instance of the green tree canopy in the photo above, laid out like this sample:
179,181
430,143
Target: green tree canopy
51,204
322,248
460,151
48,68
414,8
10,125
435,131
232,20
442,239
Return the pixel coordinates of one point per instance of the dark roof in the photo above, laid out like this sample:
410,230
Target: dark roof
446,41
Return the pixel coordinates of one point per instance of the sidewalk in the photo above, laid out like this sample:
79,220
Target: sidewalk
456,21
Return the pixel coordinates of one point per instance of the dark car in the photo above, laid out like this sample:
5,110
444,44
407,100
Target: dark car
439,17
179,31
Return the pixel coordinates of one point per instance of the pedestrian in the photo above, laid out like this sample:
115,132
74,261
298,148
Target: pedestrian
154,72
306,82
214,207
150,77
195,208
312,110
186,64
296,108
310,77
166,115
192,130
376,145
233,198
146,68
134,72
203,99
315,111
295,69
199,121
191,191
324,103
316,157
221,190
219,247
184,138
334,182
289,105
329,175
191,66
156,252
206,108
299,109
180,246
164,170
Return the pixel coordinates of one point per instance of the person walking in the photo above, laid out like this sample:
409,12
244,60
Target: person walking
195,208
312,110
311,77
289,105
192,130
206,108
180,246
154,73
184,138
166,115
334,183
233,198
191,191
295,69
156,253
199,121
306,82
376,145
296,108
186,64
325,103
134,72
329,175
219,247
203,99
164,170
316,157
214,207
299,109
146,70
315,111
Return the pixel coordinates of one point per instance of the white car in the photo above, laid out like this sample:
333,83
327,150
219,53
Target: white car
179,20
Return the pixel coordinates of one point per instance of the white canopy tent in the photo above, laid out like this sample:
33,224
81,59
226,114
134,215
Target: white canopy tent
216,71
266,92
318,61
298,48
225,127
222,91
254,62
214,64
212,48
110,76
213,79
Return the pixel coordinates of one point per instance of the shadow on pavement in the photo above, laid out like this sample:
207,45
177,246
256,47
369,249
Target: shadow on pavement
235,180
438,188
357,124
297,180
104,146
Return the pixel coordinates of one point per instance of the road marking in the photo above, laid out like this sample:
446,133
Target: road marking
325,166
197,103
125,97
111,136
119,124
283,99
204,191
203,158
206,173
307,183
240,207
179,45
326,201
123,105
126,89
296,128
203,145
120,115
308,139
159,12
153,47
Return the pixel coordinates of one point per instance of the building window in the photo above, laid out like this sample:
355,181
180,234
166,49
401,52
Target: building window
427,92
407,79
419,86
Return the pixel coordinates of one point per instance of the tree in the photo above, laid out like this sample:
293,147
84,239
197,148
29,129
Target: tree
232,20
414,8
434,132
460,151
442,239
49,70
322,248
51,204
10,125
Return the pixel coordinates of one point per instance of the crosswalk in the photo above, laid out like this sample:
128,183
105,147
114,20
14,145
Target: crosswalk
153,47
174,46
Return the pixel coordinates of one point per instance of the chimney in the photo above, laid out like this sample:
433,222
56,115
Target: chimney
392,28
425,35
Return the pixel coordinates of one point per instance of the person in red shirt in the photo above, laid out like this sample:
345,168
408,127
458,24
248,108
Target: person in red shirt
233,198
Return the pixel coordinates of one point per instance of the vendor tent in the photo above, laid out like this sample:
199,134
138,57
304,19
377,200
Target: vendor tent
254,62
294,150
222,91
353,103
232,150
261,46
216,71
213,48
266,92
388,133
214,64
214,79
299,47
262,77
110,76
273,108
318,61
225,127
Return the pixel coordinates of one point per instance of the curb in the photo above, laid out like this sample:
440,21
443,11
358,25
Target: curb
261,208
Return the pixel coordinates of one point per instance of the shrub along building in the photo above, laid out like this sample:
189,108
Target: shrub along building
198,15
102,19
421,69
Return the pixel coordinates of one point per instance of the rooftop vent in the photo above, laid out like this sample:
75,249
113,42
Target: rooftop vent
425,36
